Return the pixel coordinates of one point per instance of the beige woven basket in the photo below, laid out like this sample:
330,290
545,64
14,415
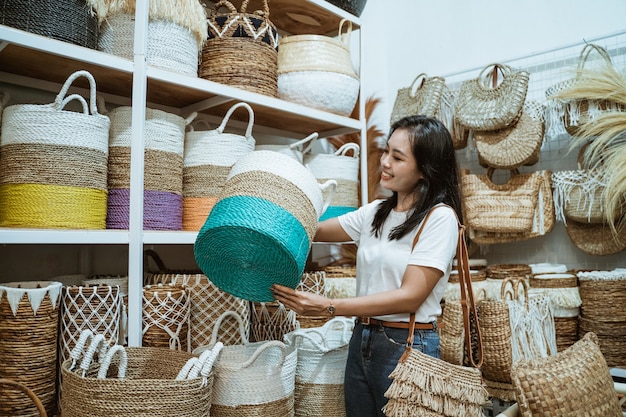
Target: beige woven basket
166,309
28,344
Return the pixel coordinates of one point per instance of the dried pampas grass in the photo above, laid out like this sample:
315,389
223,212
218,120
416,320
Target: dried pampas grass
605,135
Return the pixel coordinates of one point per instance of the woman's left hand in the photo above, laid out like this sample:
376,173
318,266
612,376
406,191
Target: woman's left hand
303,303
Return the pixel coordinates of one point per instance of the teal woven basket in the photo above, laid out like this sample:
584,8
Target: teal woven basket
249,243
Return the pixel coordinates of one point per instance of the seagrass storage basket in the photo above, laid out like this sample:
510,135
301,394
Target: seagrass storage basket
53,162
29,313
241,49
175,33
73,21
163,169
317,71
208,157
166,309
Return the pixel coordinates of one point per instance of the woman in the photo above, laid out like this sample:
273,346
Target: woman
394,280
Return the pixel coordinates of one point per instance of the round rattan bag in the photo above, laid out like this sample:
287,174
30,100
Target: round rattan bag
516,145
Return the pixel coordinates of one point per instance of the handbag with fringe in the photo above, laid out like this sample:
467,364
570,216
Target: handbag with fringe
424,385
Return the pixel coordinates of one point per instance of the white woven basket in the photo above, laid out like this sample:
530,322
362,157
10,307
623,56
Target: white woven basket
252,374
170,46
323,90
216,147
294,150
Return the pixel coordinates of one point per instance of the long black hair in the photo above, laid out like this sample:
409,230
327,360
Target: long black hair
434,154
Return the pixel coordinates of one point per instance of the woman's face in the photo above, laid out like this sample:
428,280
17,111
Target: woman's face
399,168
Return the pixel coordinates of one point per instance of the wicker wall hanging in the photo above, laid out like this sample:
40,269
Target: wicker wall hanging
423,97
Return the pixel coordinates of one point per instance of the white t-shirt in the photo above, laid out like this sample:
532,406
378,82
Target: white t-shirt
381,263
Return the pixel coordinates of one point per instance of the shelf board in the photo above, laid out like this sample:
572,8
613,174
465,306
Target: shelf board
153,237
57,236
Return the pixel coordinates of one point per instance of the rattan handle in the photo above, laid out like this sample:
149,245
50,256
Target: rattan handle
265,346
224,3
196,123
520,282
93,107
106,362
586,51
218,324
229,113
265,12
484,77
350,146
209,360
150,254
73,97
415,86
30,393
321,345
309,139
491,170
345,37
331,185
504,290
340,323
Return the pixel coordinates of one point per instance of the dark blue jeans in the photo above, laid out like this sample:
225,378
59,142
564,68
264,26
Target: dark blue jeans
373,354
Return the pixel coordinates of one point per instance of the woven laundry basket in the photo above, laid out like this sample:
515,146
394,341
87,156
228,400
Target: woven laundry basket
29,313
241,49
174,34
209,155
342,168
122,282
53,163
244,255
340,281
322,356
73,21
163,170
272,321
317,71
207,303
165,317
296,150
101,380
254,378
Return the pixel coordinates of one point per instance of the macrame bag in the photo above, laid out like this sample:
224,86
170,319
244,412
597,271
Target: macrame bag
480,106
423,97
424,385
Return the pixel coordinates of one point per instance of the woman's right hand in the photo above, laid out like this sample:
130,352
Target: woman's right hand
303,303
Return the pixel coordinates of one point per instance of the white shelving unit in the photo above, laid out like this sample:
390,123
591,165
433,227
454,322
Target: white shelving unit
36,62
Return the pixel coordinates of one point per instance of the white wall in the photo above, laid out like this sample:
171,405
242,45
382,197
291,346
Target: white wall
403,38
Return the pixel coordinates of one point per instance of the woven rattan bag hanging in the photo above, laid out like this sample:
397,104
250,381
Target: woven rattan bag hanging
516,145
481,106
241,49
423,97
53,164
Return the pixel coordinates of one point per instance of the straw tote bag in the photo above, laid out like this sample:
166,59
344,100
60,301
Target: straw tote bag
516,145
438,387
423,97
480,106
53,162
520,209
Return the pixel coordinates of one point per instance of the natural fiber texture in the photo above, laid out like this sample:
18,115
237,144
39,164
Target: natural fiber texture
446,113
187,13
566,330
170,45
568,112
322,355
480,107
606,150
165,318
53,163
272,320
596,239
516,145
610,339
543,219
419,98
573,382
340,281
317,53
494,324
73,21
17,386
122,283
241,49
603,295
323,90
452,333
504,208
28,344
578,196
152,378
